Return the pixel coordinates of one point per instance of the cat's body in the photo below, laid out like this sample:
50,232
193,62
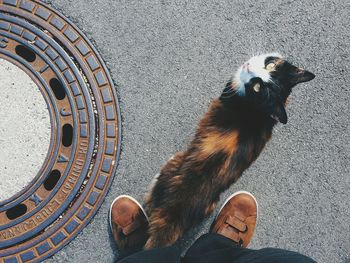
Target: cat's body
229,138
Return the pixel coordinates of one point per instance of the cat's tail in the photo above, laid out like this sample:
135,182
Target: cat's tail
162,231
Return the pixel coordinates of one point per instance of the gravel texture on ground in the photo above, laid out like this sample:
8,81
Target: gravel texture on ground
169,59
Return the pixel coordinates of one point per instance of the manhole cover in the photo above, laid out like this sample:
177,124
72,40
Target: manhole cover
72,182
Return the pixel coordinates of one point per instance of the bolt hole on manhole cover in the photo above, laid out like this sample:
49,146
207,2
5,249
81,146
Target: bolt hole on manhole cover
59,131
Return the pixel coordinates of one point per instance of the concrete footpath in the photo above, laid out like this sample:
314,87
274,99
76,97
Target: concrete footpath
169,59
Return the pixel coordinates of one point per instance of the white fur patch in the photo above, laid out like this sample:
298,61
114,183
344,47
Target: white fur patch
254,67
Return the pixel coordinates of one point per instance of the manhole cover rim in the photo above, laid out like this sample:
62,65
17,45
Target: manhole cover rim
51,97
118,124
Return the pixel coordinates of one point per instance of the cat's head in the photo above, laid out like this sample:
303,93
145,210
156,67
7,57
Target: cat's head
267,81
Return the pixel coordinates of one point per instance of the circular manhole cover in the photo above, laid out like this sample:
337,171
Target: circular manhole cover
82,156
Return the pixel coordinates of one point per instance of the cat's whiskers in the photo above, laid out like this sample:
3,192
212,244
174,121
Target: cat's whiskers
275,83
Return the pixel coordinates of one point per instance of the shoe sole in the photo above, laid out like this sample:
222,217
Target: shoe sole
132,199
237,193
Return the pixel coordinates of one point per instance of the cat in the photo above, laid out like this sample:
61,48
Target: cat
228,140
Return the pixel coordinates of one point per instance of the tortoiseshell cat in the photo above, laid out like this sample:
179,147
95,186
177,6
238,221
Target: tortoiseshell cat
229,138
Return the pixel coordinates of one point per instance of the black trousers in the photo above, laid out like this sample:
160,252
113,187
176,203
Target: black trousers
214,248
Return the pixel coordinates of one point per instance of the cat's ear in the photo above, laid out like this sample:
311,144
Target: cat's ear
228,92
279,113
301,75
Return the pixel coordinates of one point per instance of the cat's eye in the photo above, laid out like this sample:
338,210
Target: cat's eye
270,66
256,87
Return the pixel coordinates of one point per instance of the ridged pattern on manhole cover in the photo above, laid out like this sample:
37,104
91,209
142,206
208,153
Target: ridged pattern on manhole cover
85,144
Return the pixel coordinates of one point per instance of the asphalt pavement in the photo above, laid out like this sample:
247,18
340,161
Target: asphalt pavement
169,59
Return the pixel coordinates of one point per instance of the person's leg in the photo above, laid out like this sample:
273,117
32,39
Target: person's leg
230,235
167,255
212,247
129,223
271,255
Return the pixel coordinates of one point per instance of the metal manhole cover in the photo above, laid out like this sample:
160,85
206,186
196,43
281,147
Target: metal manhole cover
85,143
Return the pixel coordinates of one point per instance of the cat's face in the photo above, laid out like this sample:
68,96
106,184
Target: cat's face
267,80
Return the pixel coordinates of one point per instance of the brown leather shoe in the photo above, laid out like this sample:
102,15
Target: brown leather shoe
128,222
236,219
